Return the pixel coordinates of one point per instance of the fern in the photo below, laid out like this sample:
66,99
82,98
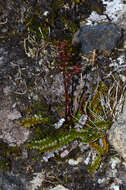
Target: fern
95,164
50,143
32,121
95,103
102,150
91,132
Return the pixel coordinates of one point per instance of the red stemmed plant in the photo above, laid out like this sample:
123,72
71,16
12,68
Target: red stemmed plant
64,56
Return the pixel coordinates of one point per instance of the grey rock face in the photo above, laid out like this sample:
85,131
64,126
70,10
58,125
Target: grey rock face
117,134
10,132
3,61
52,88
11,182
100,36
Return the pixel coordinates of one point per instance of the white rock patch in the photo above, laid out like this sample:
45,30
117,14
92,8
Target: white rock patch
59,187
114,8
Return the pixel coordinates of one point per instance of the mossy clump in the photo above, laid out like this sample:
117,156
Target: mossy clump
7,153
39,112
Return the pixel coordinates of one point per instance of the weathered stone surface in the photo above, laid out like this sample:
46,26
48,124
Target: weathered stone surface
3,61
10,181
100,36
59,187
10,132
51,88
117,134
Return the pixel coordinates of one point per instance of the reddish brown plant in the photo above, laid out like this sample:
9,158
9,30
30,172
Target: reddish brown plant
64,56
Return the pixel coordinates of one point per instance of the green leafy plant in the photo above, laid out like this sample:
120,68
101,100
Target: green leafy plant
97,121
102,150
61,139
93,130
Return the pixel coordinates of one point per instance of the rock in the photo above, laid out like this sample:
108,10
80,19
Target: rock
100,36
36,181
73,162
59,187
117,134
121,22
14,115
11,181
96,18
114,186
52,87
122,174
10,131
114,8
3,61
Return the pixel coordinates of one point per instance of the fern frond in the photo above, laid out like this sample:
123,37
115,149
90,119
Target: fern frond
95,104
50,143
95,164
32,121
102,150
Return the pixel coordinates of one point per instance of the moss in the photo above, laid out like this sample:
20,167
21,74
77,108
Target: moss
36,27
39,113
7,153
39,27
40,119
37,107
4,164
61,110
9,150
56,6
72,26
